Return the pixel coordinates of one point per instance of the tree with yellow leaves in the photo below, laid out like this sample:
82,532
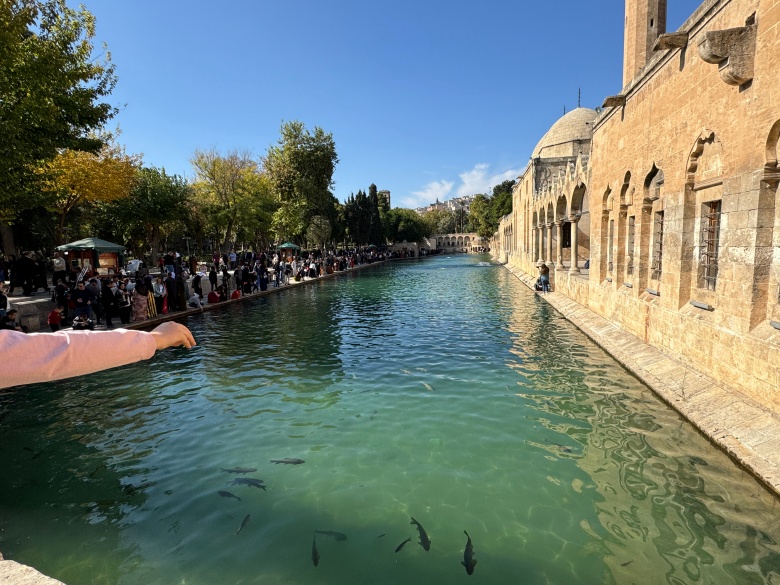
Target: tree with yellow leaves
76,177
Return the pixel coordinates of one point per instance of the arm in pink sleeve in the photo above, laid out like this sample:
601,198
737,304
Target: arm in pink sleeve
41,357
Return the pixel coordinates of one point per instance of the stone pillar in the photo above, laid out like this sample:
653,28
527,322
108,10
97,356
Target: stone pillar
548,253
540,247
559,247
575,242
533,243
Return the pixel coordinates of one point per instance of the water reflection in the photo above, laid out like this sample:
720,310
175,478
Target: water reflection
659,504
431,389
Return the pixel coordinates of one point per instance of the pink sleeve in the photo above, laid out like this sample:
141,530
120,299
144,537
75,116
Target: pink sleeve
41,357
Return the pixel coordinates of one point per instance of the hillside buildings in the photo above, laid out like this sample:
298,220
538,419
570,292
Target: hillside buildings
660,212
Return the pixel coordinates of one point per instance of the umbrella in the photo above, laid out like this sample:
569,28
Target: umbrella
287,245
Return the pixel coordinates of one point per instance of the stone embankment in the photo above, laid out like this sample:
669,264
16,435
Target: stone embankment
743,428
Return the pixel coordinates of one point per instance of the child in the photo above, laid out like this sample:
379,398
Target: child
55,318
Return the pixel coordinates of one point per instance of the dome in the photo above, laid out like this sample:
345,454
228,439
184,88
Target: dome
567,135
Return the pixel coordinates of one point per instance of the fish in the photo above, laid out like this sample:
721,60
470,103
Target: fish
244,522
626,563
340,536
468,556
400,546
225,494
250,481
428,387
239,469
315,554
407,372
425,542
288,461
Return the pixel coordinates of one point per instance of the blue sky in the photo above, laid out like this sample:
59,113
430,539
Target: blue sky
428,99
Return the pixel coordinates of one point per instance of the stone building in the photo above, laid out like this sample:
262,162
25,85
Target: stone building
669,196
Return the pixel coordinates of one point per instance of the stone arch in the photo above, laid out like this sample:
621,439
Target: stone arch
695,170
626,191
653,183
772,168
650,228
561,207
578,200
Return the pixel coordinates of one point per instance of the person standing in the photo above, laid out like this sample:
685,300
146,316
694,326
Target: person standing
158,288
59,269
122,303
140,300
108,300
5,305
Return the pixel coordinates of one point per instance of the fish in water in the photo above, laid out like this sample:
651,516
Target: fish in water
315,554
244,522
340,536
288,461
468,556
239,469
250,481
424,540
428,387
225,494
400,546
407,372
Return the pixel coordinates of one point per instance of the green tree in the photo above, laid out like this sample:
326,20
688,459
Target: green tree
156,205
407,225
441,221
52,89
223,183
300,168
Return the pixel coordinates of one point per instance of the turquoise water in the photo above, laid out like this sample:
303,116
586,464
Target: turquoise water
441,389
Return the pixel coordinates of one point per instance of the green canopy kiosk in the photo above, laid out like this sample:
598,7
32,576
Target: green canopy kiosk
288,246
92,257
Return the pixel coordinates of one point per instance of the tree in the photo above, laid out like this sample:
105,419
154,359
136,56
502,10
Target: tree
51,92
157,202
74,177
223,183
300,169
441,221
407,225
375,232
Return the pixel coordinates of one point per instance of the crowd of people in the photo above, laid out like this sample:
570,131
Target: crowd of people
83,302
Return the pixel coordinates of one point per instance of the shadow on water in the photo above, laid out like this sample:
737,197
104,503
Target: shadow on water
455,396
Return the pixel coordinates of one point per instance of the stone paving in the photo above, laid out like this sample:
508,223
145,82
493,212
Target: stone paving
745,430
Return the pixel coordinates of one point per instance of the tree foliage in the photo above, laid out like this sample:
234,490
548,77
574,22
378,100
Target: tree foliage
157,206
224,184
300,168
487,211
75,177
407,225
52,89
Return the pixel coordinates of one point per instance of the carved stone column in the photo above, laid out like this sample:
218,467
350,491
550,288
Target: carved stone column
548,253
534,241
575,267
559,247
540,249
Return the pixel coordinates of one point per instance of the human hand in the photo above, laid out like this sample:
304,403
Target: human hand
171,334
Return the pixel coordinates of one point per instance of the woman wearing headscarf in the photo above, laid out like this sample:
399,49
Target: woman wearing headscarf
141,300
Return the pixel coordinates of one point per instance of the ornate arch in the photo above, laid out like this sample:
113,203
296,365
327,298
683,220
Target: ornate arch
705,137
578,198
772,168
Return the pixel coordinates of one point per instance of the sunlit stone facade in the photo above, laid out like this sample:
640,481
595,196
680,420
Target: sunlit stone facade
664,218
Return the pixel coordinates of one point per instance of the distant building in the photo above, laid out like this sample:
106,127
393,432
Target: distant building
384,194
454,204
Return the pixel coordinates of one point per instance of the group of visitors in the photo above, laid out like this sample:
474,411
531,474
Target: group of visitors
86,302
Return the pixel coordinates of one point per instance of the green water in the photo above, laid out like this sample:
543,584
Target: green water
440,389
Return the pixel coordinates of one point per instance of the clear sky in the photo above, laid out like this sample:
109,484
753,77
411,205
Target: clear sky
426,98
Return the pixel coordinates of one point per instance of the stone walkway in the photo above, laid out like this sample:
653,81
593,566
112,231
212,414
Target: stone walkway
743,428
